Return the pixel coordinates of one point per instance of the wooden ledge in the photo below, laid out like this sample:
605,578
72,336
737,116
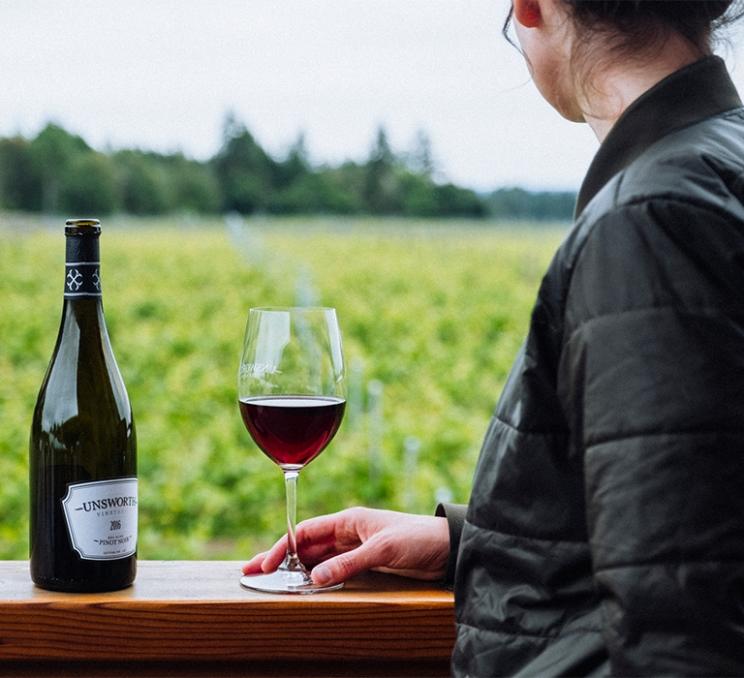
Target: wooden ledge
194,613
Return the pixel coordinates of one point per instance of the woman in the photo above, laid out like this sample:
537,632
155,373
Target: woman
605,531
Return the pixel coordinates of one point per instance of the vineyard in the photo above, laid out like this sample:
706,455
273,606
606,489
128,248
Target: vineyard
431,313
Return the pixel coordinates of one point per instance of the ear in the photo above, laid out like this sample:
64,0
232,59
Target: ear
528,13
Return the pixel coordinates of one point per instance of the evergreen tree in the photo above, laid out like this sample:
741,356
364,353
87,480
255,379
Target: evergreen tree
20,182
143,184
297,163
421,159
90,186
244,170
53,152
381,191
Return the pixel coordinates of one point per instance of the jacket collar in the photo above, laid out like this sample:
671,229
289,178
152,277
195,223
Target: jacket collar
687,96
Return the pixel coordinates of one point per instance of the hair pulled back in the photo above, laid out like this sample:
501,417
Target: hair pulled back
637,23
632,27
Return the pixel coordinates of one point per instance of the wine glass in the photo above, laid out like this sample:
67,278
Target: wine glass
291,392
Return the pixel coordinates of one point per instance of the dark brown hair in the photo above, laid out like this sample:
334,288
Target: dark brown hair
632,26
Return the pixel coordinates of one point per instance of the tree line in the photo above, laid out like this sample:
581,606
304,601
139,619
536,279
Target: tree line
59,172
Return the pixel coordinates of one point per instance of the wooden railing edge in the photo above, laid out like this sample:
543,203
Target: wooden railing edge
195,612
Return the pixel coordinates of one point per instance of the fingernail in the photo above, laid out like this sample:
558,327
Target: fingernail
321,574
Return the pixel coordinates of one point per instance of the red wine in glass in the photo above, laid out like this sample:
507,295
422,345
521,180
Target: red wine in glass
292,429
292,396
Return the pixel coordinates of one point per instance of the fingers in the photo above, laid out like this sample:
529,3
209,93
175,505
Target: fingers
275,555
322,528
310,553
253,566
317,539
267,561
370,554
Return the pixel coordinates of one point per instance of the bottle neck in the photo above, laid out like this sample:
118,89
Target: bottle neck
82,268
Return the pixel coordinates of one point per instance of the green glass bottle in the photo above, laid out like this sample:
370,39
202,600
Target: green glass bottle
83,484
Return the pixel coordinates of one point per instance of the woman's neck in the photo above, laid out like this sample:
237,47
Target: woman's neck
618,86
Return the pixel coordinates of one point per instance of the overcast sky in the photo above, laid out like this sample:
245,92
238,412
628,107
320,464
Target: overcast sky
161,75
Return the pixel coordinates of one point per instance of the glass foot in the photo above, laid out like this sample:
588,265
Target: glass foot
285,581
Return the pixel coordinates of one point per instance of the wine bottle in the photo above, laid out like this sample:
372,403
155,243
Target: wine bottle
83,484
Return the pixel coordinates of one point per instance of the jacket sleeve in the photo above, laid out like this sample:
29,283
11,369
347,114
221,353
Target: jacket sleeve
455,515
653,378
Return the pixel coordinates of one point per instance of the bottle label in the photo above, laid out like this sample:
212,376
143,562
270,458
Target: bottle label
102,518
83,279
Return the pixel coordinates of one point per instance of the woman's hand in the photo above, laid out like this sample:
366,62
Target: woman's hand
343,544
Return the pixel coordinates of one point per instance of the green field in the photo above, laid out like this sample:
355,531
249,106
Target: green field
431,315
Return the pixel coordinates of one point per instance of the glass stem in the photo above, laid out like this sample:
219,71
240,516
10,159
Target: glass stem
292,560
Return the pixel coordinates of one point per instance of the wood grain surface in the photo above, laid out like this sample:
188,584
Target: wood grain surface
195,612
